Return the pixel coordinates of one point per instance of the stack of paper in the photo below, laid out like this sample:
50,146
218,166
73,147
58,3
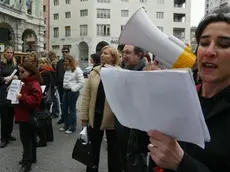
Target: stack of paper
164,100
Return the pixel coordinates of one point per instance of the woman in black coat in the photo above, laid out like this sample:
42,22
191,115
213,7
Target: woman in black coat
213,60
45,133
7,65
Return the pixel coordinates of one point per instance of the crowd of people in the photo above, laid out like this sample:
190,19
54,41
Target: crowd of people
127,148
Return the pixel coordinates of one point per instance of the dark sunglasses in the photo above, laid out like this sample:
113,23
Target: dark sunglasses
65,51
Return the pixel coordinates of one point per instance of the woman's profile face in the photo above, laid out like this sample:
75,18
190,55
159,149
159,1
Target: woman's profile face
23,73
106,57
213,54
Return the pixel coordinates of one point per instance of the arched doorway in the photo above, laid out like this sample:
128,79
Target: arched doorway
29,39
7,35
100,45
83,54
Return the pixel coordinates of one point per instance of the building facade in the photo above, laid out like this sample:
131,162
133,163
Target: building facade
82,25
22,24
212,5
46,14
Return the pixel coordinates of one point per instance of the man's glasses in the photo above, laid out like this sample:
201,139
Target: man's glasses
64,52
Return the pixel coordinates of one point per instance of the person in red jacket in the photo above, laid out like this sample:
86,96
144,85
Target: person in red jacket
29,98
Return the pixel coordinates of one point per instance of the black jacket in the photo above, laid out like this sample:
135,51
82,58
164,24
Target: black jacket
216,155
5,70
60,71
133,142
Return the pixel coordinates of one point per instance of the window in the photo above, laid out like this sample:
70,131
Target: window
143,1
67,14
67,1
160,15
44,8
122,27
83,0
44,33
103,13
68,46
124,13
44,20
160,28
6,2
103,30
56,32
83,13
67,31
103,1
83,30
55,47
29,7
160,1
56,2
56,16
44,46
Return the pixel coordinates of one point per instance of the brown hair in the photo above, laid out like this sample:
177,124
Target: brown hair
114,53
72,65
33,71
52,56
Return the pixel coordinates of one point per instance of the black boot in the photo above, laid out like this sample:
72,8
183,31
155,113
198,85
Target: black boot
25,168
4,143
33,161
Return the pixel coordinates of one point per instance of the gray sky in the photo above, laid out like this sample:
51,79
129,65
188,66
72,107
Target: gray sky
197,11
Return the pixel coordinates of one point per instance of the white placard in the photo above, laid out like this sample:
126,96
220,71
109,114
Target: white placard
14,89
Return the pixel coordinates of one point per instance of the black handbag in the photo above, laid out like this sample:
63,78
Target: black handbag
38,118
82,151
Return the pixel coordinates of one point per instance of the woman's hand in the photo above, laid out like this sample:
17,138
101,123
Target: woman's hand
19,96
15,77
164,150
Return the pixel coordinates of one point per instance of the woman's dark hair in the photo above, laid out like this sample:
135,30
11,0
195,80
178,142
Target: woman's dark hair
212,18
96,58
32,70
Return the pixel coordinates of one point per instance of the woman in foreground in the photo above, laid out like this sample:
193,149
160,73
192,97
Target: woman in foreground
213,60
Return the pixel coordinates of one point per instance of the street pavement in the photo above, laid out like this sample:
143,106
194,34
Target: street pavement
56,157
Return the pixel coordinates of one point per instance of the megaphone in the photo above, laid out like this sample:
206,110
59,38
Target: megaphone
170,51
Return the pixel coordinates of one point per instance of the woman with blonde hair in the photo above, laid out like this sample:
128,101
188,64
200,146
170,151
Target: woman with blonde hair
72,83
96,112
7,65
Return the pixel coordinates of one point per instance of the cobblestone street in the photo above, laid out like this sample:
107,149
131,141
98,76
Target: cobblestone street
56,157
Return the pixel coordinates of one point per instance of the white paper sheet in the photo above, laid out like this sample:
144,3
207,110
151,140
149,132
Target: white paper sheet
83,135
164,100
12,74
14,89
43,87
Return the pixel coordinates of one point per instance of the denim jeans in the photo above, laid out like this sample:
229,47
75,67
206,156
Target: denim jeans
69,109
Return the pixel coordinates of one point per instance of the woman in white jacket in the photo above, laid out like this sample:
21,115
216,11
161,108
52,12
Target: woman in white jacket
73,81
